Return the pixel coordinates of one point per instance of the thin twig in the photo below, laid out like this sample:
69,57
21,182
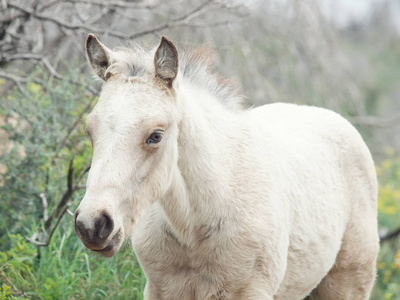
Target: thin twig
45,206
77,186
65,197
9,18
44,60
119,4
72,128
390,236
209,25
58,222
17,80
45,244
54,20
173,23
48,5
9,281
62,207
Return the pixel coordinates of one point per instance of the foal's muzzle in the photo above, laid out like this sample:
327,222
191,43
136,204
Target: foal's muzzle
94,234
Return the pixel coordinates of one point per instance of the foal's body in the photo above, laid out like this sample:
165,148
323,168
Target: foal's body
270,221
268,203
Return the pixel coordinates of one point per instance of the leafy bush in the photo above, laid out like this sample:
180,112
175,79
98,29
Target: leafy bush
16,266
45,130
388,281
45,133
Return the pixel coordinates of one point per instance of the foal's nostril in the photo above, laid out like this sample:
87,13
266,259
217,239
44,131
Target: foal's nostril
78,225
94,235
104,225
80,229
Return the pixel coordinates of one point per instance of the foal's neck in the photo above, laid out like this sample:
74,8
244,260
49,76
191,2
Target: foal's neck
202,183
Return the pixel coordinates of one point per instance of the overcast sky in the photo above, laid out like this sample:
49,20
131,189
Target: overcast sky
344,11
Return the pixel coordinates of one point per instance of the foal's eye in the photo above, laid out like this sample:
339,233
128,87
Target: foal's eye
155,137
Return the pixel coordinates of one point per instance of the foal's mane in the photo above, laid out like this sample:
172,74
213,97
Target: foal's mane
195,64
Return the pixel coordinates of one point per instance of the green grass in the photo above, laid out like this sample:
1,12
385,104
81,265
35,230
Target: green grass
67,270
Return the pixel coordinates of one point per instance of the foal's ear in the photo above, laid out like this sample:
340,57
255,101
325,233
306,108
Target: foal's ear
166,61
98,56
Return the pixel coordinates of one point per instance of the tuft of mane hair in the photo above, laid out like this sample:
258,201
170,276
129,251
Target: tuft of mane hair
195,65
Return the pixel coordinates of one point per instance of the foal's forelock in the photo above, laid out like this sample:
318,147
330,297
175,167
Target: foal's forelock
131,62
195,65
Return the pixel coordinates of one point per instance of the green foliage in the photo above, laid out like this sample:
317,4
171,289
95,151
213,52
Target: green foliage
16,264
5,291
65,270
388,281
389,192
45,132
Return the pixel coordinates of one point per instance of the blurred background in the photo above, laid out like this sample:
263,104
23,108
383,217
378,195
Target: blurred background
338,54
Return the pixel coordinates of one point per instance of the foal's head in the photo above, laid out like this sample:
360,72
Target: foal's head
133,130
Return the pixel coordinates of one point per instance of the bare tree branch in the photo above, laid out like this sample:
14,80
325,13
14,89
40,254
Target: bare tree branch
59,22
208,25
48,5
60,210
114,4
119,4
45,244
17,80
45,205
64,199
173,23
71,188
44,60
77,186
9,18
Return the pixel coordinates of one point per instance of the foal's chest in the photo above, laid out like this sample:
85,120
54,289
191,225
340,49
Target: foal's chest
174,271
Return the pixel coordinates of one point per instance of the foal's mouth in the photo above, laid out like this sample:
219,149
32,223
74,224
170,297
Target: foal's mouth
113,246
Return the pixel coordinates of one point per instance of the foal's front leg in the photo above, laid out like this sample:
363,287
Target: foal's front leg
258,288
169,292
269,272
